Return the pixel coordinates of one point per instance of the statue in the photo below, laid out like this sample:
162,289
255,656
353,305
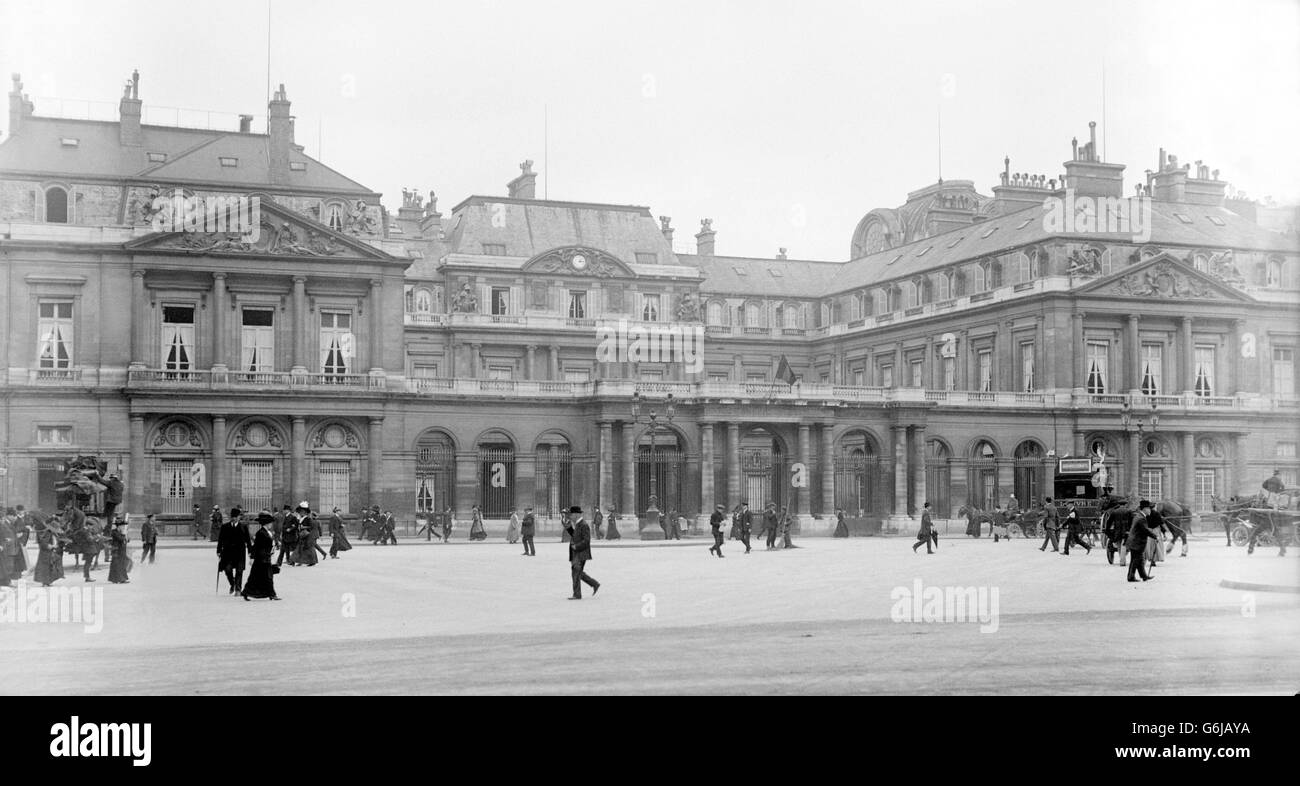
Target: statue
706,225
433,203
1225,269
1085,262
359,220
689,308
665,223
464,302
526,168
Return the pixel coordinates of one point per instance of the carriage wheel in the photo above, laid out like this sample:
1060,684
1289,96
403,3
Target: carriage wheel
1240,535
1266,539
1014,531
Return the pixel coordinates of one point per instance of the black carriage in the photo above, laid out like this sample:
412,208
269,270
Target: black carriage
1264,527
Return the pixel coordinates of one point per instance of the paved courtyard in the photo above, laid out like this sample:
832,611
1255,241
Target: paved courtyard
481,618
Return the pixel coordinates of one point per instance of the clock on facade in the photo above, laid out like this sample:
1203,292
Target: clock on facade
579,262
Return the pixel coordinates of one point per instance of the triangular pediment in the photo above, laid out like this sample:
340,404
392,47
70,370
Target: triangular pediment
579,261
1164,277
279,232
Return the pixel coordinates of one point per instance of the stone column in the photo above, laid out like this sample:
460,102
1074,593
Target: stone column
136,478
451,358
629,472
802,497
1080,352
298,460
139,320
476,361
1234,364
217,477
219,328
605,484
967,355
1133,349
1187,352
299,329
919,493
1238,467
898,435
706,469
375,460
733,464
555,362
828,470
1080,449
376,326
1001,357
1133,458
931,372
1187,468
529,361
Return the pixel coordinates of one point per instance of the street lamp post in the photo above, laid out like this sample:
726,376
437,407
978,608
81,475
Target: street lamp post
651,529
1140,425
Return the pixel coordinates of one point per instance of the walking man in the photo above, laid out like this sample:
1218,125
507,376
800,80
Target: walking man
1074,531
926,532
198,523
233,545
786,522
715,523
746,524
580,553
1138,534
769,525
598,524
527,529
1051,526
148,539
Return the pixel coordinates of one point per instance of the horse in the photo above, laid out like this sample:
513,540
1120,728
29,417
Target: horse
975,518
1178,519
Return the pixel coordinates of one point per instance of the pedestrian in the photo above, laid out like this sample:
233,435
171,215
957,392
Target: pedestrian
611,524
674,526
769,525
512,531
85,540
734,534
233,545
305,551
1139,533
924,533
476,529
746,524
1051,526
786,522
288,540
119,568
49,559
1074,531
112,496
214,524
1155,550
841,526
261,576
715,524
368,523
277,525
998,522
148,539
448,524
598,523
527,529
199,521
8,546
338,535
317,534
580,553
17,555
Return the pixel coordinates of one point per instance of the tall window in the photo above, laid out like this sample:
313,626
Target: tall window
979,279
423,301
500,301
650,308
577,304
54,435
943,284
175,484
790,316
859,377
501,372
714,313
861,305
751,315
1273,273
334,217
337,345
985,359
1204,371
55,330
334,486
918,373
1098,362
887,376
178,338
1284,371
257,348
1152,362
950,373
1027,381
56,205
1203,490
255,484
1152,485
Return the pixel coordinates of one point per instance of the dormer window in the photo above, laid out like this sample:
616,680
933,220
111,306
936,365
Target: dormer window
494,249
68,141
775,273
989,231
230,161
56,205
297,166
647,258
1218,222
740,271
1183,218
1025,223
157,158
334,217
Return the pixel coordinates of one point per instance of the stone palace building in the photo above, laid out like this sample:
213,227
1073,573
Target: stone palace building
350,355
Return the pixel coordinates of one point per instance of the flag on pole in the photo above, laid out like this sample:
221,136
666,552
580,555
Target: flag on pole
785,373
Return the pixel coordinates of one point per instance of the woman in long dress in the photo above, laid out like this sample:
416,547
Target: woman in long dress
119,566
49,559
261,576
841,526
611,525
476,529
306,553
339,533
512,532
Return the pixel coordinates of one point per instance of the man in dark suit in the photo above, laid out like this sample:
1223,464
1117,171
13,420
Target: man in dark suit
233,545
746,524
112,496
770,525
579,553
1051,526
1138,534
715,523
925,533
526,532
1074,532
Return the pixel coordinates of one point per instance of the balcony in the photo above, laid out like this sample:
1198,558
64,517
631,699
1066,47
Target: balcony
166,380
55,376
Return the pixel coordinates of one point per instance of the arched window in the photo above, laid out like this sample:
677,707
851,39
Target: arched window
423,301
56,205
978,278
790,316
924,291
943,285
861,305
751,315
334,217
714,313
1273,275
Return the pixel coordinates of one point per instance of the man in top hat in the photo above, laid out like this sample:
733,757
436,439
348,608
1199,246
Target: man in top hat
718,516
746,524
579,553
214,527
233,545
148,539
112,496
527,529
1138,534
199,518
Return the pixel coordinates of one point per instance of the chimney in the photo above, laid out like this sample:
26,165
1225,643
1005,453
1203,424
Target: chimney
665,226
780,253
279,128
524,186
20,107
431,221
704,240
129,111
1169,183
1206,188
245,124
1087,175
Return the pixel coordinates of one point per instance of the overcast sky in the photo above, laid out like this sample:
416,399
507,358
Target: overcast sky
784,121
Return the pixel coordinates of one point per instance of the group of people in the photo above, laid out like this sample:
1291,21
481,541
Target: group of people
777,524
70,531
